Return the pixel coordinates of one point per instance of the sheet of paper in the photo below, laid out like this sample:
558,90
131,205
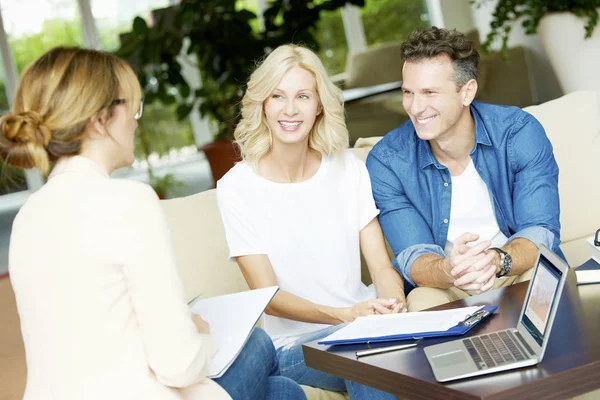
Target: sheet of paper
231,318
399,324
588,276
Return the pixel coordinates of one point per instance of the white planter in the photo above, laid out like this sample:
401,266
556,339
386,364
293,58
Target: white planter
575,60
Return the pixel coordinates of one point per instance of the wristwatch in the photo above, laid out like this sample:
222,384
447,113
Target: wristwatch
505,262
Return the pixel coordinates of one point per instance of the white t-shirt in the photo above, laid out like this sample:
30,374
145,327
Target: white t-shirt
309,230
472,211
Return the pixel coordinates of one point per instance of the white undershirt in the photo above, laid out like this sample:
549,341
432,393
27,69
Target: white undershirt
472,210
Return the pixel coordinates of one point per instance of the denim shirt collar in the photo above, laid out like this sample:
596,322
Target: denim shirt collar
481,137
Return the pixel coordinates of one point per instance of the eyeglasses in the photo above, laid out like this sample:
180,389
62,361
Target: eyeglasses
138,114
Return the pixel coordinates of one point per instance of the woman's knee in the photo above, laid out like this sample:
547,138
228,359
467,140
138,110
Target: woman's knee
280,387
260,348
260,342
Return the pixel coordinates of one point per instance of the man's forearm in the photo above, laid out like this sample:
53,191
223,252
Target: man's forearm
431,270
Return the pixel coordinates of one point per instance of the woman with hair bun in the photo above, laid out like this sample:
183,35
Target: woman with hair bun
102,308
298,210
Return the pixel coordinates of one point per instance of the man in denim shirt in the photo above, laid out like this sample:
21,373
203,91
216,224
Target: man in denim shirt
467,191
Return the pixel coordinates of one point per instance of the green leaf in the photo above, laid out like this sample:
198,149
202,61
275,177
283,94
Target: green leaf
140,27
183,110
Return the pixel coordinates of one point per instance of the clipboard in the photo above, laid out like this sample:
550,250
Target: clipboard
461,328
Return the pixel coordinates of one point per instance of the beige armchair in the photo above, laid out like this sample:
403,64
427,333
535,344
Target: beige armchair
379,114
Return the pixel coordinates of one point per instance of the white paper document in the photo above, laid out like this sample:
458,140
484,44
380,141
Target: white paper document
588,276
231,318
401,324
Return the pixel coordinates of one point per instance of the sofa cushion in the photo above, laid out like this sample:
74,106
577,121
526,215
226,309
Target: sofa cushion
571,123
200,246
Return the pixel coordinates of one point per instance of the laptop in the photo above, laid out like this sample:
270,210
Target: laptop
512,348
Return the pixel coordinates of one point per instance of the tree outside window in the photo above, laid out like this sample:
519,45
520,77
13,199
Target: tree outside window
392,20
160,130
383,20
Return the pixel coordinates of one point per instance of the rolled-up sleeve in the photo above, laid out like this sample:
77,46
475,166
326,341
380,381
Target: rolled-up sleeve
408,256
535,193
404,227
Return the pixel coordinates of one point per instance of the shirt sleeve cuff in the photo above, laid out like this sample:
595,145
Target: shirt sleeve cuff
537,235
408,256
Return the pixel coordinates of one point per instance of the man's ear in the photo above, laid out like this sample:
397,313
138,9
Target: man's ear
469,90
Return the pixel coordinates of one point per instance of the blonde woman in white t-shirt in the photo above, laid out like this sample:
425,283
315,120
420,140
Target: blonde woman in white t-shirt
102,310
298,210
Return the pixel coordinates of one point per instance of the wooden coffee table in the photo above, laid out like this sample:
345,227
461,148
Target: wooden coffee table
571,365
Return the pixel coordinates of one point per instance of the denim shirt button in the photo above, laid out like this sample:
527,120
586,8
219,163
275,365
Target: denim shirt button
445,220
445,184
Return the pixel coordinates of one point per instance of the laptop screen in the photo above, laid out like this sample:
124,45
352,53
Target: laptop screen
541,299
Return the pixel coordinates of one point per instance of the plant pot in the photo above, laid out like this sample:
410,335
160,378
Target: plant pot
575,60
222,156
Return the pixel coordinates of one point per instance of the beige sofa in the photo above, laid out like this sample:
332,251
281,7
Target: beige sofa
571,123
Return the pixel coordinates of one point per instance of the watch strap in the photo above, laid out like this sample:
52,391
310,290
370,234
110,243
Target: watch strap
504,268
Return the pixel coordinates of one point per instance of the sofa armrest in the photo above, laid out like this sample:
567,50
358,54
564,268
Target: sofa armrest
340,79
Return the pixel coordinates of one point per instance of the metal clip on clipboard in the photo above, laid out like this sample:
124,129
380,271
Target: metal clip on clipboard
473,319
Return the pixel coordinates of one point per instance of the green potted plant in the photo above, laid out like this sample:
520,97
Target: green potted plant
567,30
221,42
149,131
164,185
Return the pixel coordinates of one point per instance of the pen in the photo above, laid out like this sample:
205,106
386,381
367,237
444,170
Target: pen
380,350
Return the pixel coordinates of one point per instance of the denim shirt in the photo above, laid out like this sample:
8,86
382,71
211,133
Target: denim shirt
413,191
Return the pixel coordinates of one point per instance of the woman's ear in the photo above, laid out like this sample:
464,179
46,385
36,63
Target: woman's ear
98,124
319,109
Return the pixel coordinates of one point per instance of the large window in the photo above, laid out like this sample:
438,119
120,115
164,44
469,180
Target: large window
332,39
160,130
11,180
383,21
114,17
392,20
35,26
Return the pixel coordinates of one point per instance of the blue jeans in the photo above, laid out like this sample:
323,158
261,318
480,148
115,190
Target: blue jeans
291,365
255,373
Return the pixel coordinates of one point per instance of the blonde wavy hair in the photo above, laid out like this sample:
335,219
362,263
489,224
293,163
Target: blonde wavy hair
329,135
55,99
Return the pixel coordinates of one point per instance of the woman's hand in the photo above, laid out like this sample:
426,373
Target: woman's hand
201,325
398,306
370,307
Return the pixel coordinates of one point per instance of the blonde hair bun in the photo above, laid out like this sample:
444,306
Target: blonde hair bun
24,140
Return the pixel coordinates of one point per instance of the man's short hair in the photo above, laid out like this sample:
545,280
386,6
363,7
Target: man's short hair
432,42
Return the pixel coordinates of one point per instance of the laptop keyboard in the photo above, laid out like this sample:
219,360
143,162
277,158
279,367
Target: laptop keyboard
494,349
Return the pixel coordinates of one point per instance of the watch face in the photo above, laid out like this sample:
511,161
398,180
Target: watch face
507,264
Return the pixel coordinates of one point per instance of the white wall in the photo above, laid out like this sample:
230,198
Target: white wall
546,84
457,15
464,16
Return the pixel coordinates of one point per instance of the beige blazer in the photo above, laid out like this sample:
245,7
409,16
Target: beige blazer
102,308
